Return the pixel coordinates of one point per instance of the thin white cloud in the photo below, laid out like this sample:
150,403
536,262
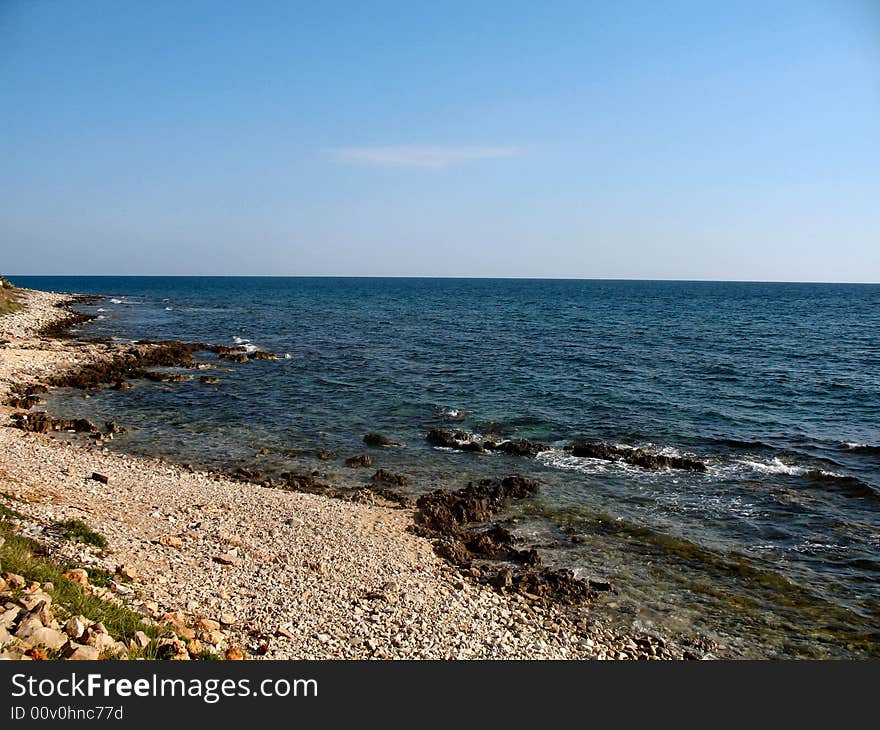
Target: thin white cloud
432,157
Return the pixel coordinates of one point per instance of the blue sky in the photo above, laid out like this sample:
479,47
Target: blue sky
683,140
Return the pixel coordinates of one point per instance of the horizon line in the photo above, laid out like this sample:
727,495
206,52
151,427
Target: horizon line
450,277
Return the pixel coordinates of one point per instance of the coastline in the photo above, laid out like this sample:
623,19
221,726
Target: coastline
283,574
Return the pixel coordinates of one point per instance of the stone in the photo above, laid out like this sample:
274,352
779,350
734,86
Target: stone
141,640
194,647
227,619
208,624
361,460
185,633
9,616
234,654
77,575
82,652
13,580
2,584
30,601
50,638
171,541
212,637
128,571
173,649
102,478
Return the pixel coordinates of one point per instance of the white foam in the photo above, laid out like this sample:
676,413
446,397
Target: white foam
773,467
239,340
100,309
452,412
116,301
288,356
169,309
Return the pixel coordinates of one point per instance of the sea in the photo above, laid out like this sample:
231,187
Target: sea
773,552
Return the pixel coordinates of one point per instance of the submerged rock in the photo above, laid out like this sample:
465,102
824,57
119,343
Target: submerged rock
377,439
384,476
361,460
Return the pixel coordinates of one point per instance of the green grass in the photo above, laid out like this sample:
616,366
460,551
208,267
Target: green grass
27,558
80,532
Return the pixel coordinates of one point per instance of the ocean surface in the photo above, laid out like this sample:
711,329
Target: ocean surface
773,552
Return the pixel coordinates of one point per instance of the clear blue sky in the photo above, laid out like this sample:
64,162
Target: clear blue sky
677,139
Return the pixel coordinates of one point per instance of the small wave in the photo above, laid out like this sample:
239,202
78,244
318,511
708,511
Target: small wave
455,414
776,466
560,459
100,309
240,340
116,301
740,444
169,309
855,448
288,356
842,483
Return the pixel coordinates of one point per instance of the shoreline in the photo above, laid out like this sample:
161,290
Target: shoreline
285,574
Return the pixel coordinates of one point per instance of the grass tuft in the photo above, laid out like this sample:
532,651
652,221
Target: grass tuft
27,557
80,532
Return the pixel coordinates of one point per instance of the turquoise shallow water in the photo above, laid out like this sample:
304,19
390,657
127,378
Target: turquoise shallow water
774,551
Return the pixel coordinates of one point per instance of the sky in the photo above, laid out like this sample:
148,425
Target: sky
616,139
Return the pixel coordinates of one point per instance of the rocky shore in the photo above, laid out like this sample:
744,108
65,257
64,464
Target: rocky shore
217,566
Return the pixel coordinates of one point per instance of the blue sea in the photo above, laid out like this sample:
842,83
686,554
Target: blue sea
773,552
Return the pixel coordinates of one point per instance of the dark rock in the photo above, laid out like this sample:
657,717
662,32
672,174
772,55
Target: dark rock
600,585
113,427
103,478
41,422
326,455
444,511
560,585
361,460
25,402
442,437
464,441
637,457
261,355
238,357
384,476
502,579
521,447
377,439
121,385
455,551
245,474
209,380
